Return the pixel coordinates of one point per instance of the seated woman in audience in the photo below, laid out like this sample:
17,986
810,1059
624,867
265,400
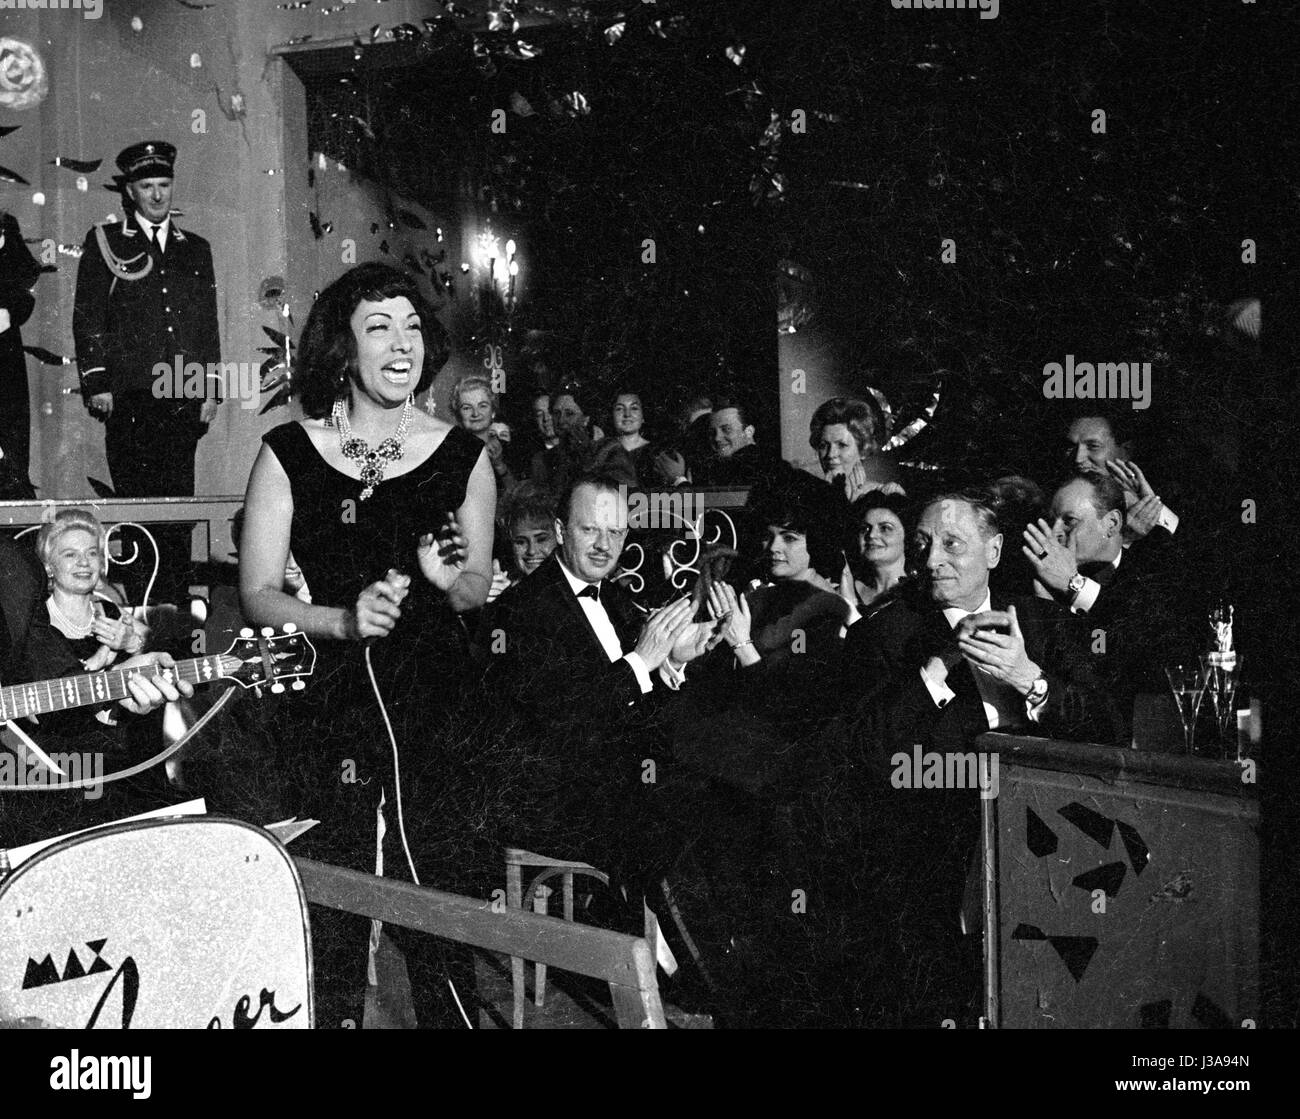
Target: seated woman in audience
474,407
879,563
629,420
847,436
528,520
762,687
73,549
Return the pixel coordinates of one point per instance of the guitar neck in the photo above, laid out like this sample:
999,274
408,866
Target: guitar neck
65,692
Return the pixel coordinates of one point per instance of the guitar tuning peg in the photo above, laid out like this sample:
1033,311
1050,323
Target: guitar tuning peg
298,685
277,689
268,631
246,632
290,627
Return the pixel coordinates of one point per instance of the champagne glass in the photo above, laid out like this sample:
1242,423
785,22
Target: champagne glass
1187,681
1222,675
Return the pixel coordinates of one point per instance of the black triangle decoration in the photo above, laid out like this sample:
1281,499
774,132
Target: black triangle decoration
1138,852
1039,838
1106,877
40,975
73,969
1075,951
1092,823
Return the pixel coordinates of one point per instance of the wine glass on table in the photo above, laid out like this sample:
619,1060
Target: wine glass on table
1222,675
1187,681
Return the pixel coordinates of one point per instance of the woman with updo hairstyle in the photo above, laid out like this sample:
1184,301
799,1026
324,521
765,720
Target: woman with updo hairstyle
388,512
877,551
73,550
474,406
848,435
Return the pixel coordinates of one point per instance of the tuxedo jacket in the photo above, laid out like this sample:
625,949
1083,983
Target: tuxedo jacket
885,651
596,761
126,321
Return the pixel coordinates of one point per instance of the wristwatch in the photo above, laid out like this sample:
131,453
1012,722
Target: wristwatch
1037,692
1075,585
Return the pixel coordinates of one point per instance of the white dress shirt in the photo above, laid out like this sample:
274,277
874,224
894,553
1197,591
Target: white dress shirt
1003,705
605,633
162,228
1086,599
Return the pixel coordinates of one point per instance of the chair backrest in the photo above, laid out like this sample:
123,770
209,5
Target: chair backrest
179,923
626,963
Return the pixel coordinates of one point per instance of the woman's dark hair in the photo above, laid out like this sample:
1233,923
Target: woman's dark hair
809,506
327,351
899,504
863,418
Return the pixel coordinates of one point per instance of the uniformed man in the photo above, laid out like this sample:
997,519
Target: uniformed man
146,294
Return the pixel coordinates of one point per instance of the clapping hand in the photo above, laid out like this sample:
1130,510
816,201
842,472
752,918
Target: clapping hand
992,642
378,607
663,630
500,582
444,554
1051,553
732,612
1143,507
671,467
116,633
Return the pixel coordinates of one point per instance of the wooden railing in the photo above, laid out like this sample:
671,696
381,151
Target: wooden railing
624,962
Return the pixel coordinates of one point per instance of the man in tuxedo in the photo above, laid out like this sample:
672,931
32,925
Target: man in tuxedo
1136,620
588,676
955,660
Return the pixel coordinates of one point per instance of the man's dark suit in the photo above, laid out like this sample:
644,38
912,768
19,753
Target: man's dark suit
597,769
126,322
884,653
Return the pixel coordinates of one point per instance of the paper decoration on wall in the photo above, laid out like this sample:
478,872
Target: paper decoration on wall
1076,952
8,176
1107,877
22,75
1039,838
85,166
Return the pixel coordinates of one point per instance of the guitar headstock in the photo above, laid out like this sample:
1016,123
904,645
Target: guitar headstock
269,659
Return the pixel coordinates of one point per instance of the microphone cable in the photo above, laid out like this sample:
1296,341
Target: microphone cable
397,795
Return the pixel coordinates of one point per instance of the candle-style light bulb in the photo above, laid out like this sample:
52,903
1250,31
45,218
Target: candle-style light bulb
510,248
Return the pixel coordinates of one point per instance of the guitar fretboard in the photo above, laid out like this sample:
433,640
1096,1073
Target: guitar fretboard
20,700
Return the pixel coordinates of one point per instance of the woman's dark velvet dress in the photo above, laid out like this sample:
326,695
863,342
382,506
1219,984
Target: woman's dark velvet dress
332,756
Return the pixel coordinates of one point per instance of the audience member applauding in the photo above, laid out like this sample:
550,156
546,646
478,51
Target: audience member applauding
1134,621
474,407
847,436
1102,444
581,448
73,549
528,519
955,659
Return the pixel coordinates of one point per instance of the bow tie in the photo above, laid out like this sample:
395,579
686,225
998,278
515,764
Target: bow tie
591,590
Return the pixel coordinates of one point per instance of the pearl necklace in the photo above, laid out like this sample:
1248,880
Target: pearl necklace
373,462
74,630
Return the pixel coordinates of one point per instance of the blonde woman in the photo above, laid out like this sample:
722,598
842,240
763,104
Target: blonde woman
73,549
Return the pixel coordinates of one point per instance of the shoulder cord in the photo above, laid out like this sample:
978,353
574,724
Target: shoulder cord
119,265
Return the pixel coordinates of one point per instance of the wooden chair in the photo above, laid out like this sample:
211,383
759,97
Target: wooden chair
517,859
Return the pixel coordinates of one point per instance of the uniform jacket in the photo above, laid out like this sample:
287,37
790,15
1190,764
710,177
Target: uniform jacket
124,326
